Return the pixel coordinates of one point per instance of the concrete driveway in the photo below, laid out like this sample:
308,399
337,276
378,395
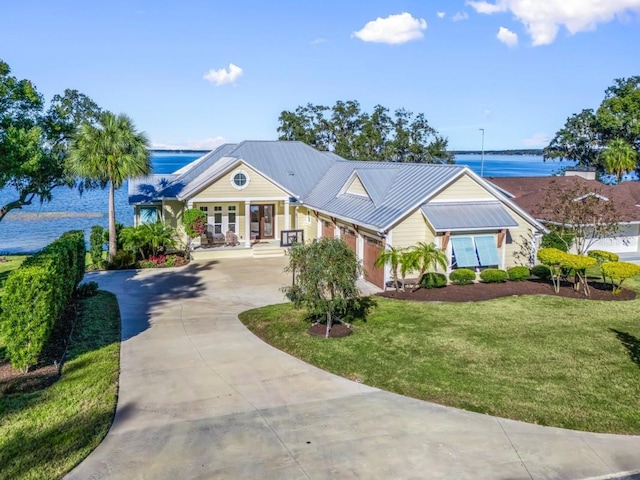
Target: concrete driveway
201,397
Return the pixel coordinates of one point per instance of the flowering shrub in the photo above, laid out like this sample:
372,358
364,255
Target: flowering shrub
158,259
195,222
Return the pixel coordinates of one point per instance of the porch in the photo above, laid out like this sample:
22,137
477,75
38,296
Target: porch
257,249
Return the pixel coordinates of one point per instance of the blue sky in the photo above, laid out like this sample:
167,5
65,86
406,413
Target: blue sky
199,73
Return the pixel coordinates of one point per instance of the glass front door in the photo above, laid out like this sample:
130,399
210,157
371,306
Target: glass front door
262,221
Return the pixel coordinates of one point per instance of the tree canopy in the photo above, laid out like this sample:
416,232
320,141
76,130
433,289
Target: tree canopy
110,152
356,135
587,136
34,141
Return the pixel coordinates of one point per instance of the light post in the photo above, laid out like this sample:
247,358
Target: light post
482,161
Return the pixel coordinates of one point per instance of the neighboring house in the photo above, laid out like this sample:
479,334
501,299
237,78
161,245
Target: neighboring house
268,189
530,192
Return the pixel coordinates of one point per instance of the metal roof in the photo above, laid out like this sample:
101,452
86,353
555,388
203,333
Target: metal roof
407,186
452,216
146,189
377,181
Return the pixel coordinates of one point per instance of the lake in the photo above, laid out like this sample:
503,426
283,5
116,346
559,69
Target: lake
31,228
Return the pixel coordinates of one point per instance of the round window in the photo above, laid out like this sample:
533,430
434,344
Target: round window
240,180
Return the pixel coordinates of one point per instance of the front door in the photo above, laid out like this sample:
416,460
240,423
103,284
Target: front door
262,221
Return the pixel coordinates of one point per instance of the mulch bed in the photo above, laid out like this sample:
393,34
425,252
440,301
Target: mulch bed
47,370
488,291
337,330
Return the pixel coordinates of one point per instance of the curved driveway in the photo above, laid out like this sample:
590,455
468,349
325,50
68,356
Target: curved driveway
201,397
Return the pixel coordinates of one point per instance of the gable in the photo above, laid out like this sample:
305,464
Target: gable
356,187
256,185
463,188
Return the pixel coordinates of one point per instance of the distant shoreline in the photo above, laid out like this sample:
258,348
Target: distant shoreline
532,151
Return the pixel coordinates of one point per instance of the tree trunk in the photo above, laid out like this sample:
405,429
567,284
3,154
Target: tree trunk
326,335
113,241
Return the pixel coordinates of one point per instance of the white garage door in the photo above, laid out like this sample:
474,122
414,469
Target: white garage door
626,241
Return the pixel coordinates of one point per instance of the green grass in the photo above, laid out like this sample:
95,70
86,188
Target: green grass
540,359
45,434
13,262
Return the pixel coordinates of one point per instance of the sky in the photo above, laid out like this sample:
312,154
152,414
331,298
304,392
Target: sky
196,74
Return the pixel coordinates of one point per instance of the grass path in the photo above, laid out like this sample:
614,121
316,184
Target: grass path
45,434
540,359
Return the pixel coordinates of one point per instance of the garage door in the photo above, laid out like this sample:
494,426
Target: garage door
328,230
348,236
626,241
372,249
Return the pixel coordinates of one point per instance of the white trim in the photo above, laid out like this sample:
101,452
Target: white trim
247,223
287,215
247,179
238,199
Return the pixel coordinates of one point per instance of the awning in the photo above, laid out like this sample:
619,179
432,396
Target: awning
465,251
487,250
450,216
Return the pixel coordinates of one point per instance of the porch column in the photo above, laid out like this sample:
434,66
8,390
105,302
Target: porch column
247,224
287,215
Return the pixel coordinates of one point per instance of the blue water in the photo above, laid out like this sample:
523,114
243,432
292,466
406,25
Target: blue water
34,226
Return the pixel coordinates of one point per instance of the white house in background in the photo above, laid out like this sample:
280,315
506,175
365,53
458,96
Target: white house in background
279,191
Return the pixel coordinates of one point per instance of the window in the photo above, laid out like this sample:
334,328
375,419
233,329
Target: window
217,219
149,215
204,209
240,180
308,219
471,252
231,212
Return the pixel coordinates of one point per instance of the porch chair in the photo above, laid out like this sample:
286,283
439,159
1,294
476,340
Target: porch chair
231,239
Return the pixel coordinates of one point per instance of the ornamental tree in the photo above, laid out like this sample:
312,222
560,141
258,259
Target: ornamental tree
560,263
619,271
325,274
194,221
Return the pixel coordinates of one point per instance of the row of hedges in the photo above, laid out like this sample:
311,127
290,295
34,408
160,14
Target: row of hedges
466,276
35,296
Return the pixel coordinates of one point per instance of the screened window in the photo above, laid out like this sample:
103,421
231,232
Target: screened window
471,252
149,215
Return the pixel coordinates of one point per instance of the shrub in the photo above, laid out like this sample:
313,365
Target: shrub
433,280
36,294
493,275
146,264
194,221
561,242
87,290
158,259
462,276
620,271
541,271
519,273
96,244
123,259
602,256
171,261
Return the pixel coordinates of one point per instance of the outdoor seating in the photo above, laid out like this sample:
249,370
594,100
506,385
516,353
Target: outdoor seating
231,239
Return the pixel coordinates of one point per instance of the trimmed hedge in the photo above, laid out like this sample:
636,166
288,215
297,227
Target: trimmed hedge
36,294
619,271
493,275
433,280
518,273
541,271
462,276
602,256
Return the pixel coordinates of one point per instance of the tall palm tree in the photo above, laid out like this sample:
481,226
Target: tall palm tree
619,158
110,153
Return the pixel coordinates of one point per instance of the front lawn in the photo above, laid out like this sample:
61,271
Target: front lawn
540,359
46,433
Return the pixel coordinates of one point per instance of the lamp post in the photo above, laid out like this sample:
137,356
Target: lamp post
482,161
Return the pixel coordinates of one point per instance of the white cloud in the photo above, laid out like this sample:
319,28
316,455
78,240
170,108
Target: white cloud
537,140
486,113
394,30
441,14
223,76
506,36
202,144
543,18
318,41
458,17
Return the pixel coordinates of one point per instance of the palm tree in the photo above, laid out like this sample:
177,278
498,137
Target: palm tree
110,153
429,256
392,256
409,262
619,158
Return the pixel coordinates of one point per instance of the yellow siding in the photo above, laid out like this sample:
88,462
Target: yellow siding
356,188
172,212
411,230
465,188
519,235
258,187
311,228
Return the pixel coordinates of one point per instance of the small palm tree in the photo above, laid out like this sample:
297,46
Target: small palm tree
159,235
409,262
619,158
429,256
110,153
390,255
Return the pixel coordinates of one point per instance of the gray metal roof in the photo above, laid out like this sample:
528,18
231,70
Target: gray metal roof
406,186
146,189
452,216
377,181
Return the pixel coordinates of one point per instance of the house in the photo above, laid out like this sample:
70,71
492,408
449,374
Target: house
276,191
529,194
